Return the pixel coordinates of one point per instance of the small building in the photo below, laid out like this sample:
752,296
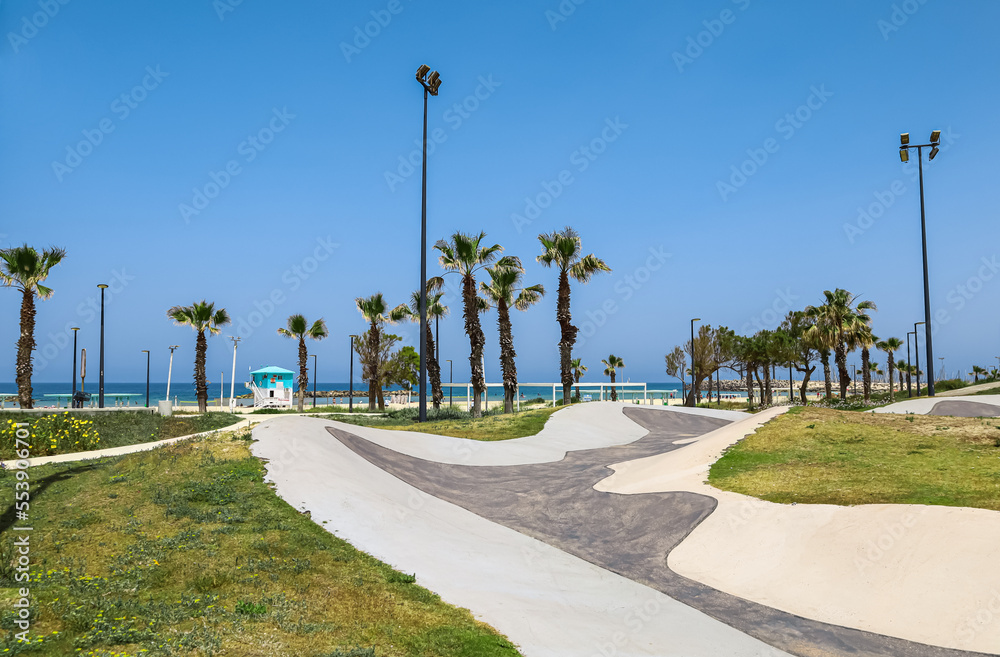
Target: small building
272,387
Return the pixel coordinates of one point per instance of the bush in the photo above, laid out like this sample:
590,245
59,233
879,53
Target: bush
948,384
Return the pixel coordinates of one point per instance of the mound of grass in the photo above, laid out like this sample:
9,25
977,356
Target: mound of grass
459,424
822,456
185,551
128,428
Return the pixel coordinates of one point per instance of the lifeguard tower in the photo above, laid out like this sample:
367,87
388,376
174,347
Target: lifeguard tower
272,387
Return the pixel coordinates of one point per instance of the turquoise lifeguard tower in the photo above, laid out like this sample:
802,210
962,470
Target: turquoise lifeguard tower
272,387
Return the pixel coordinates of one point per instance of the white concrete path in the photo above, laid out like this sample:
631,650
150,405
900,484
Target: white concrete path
929,574
546,601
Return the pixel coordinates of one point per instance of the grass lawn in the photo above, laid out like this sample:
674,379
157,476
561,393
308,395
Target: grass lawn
459,424
113,429
823,456
989,391
185,551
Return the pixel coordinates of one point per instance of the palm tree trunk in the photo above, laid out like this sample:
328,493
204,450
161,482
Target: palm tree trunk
866,374
841,358
507,355
614,392
433,369
303,372
476,341
827,379
25,345
567,337
200,383
892,395
374,384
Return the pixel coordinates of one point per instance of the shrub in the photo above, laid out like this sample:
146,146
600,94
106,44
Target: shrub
949,384
58,433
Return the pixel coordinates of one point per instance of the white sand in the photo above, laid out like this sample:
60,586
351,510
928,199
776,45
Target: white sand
924,573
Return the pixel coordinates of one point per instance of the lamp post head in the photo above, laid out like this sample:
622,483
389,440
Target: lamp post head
75,328
144,351
422,72
101,285
904,139
916,324
933,153
904,155
935,136
696,319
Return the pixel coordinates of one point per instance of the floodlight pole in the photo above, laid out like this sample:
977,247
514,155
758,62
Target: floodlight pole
100,393
693,401
916,353
430,83
315,360
75,329
909,385
146,351
232,381
350,399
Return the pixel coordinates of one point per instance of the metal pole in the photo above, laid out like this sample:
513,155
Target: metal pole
693,393
927,293
147,377
315,360
74,329
423,274
350,399
909,387
916,353
232,381
170,370
790,389
451,380
100,391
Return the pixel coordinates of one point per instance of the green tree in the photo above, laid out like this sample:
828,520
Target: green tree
579,369
435,310
505,291
403,368
798,325
611,366
377,364
24,268
466,255
200,316
299,328
840,314
563,250
377,314
889,346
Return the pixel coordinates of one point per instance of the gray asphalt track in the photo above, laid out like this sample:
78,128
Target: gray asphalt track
965,409
630,535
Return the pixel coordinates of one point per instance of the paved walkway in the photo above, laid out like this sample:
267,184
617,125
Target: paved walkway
516,532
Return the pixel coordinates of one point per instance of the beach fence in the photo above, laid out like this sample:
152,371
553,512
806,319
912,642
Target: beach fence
598,391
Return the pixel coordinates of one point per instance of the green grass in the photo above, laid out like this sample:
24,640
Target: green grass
129,428
459,424
822,456
184,550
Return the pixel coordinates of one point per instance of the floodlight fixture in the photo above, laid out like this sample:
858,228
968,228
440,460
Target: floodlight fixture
904,138
904,155
934,151
422,72
935,136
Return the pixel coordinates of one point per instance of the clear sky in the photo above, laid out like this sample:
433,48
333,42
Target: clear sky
247,152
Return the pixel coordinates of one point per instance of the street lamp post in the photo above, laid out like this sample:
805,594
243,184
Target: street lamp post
74,329
696,319
170,370
909,387
232,379
350,399
146,351
451,379
315,359
904,155
431,83
916,356
100,387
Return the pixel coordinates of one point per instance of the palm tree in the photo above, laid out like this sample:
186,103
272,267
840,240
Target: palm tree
611,366
465,255
22,267
903,368
861,336
299,328
376,313
201,316
435,309
841,314
563,250
976,371
824,338
889,346
579,369
505,291
875,369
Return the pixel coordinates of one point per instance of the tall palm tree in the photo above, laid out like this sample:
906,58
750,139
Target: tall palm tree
505,291
611,366
903,368
299,328
201,316
861,336
377,314
841,313
466,255
889,346
824,339
435,310
564,251
579,369
24,268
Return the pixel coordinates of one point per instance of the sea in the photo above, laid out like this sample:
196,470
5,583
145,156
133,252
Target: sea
183,393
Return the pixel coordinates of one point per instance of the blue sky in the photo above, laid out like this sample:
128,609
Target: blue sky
256,151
